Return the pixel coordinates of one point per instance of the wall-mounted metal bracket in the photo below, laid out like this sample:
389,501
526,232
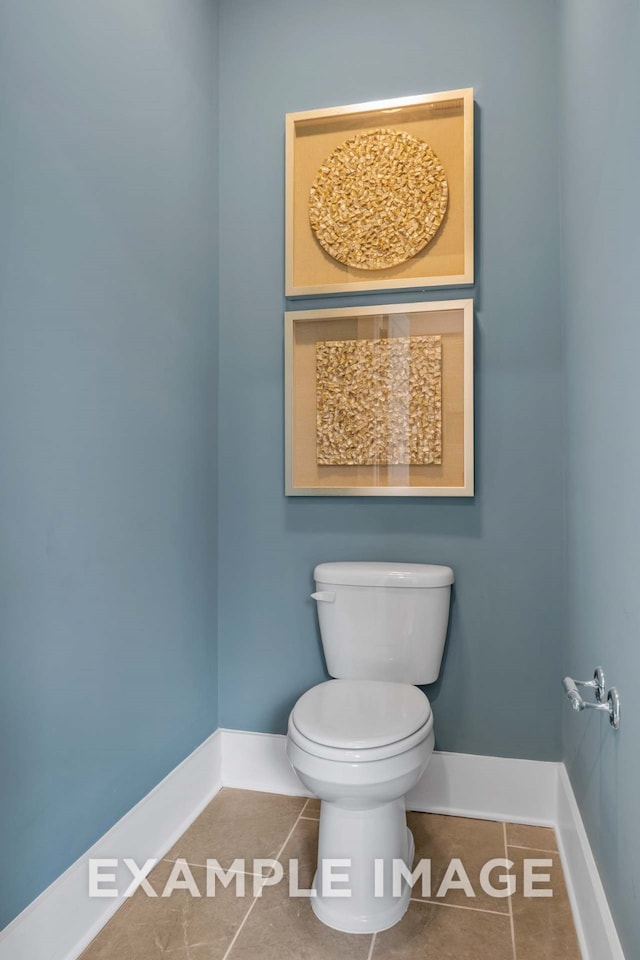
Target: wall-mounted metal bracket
612,705
613,701
596,684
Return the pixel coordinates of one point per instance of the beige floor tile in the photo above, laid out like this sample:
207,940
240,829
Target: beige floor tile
538,838
474,842
285,928
239,824
430,931
312,808
544,928
180,926
302,847
279,927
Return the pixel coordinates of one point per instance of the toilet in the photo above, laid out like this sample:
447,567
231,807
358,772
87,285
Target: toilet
361,741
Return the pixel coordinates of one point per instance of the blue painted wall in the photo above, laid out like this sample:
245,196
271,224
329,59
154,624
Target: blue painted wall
107,391
108,292
601,211
498,692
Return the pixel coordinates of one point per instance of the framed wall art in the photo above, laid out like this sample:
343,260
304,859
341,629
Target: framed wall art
379,196
379,400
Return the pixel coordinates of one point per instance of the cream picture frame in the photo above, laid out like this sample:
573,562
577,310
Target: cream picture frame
444,121
425,385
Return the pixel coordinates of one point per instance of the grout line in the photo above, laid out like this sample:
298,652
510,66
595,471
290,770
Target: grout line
460,906
373,941
509,899
255,899
314,819
288,837
237,933
519,846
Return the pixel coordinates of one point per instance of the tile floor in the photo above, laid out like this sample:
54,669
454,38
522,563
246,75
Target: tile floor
273,926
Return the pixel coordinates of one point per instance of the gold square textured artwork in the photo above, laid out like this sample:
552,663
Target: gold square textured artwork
379,401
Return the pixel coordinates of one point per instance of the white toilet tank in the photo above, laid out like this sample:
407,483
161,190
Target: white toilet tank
383,621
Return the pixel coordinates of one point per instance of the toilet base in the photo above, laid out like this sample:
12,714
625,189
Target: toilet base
362,837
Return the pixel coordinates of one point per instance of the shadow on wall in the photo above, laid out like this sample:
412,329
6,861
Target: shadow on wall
450,517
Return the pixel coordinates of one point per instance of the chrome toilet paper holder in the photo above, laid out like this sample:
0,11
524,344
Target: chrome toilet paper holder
608,701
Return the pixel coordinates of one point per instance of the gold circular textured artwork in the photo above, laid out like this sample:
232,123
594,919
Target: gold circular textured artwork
378,199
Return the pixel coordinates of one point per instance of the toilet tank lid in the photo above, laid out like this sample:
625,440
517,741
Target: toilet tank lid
369,573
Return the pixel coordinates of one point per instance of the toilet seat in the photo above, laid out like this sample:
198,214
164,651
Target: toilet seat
360,714
360,720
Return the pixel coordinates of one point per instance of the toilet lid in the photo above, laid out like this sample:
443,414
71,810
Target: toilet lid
360,714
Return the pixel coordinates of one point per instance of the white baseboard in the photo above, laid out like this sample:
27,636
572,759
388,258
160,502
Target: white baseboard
492,788
455,783
258,761
594,924
63,920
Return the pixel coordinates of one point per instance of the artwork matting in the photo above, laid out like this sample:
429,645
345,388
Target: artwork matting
443,121
379,400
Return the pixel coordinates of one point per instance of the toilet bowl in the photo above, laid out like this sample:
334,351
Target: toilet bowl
360,746
361,741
